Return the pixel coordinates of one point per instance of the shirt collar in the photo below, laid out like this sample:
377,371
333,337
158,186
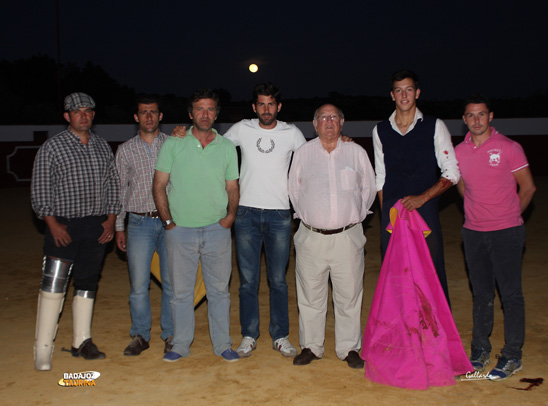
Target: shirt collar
216,140
154,141
468,137
75,137
418,116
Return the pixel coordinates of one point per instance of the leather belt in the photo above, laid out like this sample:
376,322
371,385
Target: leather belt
329,232
152,214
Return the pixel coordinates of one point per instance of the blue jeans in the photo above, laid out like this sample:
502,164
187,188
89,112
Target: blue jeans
146,235
212,246
494,259
253,227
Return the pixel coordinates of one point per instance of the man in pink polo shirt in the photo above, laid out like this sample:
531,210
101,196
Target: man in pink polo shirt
331,187
497,187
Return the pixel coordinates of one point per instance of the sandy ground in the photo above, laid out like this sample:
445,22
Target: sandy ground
264,378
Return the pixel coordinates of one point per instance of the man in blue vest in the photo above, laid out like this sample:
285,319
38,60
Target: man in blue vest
410,151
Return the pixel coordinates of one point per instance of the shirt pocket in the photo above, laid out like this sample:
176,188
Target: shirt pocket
349,179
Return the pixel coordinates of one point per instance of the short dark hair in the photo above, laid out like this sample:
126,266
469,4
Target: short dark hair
477,99
404,74
266,89
203,94
147,100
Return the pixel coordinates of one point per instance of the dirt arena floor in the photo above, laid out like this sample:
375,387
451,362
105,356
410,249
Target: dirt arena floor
266,377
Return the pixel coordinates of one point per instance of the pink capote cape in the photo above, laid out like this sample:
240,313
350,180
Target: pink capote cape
410,340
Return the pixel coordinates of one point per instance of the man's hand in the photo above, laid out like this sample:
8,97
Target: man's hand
416,202
227,221
59,232
179,131
121,241
346,138
413,202
108,232
170,226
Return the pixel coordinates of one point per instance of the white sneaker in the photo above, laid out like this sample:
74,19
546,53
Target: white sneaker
248,344
284,347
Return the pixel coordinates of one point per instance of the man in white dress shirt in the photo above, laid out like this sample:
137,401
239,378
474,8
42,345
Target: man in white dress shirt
332,187
415,162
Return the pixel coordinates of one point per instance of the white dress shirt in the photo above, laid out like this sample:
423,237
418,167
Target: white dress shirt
331,190
445,153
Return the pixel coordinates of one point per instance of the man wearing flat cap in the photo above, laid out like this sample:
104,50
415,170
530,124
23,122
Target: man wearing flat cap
75,190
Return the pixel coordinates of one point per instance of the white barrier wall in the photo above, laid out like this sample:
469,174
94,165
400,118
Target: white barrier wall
355,129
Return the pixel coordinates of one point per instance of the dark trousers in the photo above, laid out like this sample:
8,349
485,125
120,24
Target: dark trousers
85,252
494,259
430,214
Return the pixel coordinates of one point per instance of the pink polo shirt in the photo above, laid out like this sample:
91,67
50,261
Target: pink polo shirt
491,201
331,190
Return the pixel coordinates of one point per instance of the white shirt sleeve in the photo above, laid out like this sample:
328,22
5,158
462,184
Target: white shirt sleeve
232,134
298,139
379,160
445,153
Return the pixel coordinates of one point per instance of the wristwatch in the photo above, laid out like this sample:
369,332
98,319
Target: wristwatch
167,223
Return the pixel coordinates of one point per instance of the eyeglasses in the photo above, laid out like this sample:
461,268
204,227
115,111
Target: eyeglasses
332,117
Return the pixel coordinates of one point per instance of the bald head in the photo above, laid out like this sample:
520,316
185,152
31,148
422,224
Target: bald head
319,112
328,123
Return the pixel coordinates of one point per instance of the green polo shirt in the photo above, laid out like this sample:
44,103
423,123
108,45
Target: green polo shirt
198,176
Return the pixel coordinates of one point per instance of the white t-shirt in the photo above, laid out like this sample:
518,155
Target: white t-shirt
266,155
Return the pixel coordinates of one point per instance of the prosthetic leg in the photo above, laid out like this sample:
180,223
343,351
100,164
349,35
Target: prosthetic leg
55,277
82,312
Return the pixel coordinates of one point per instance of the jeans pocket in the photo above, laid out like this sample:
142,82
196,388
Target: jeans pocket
242,211
135,220
284,214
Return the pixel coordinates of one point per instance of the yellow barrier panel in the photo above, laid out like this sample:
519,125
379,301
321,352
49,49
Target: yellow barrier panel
199,288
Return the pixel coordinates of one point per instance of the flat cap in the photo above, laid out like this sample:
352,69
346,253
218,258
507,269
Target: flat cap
75,101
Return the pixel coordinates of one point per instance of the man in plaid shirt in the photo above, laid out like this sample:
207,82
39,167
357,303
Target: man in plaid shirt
75,190
135,161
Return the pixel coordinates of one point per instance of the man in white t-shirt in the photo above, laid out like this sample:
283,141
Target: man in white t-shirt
263,216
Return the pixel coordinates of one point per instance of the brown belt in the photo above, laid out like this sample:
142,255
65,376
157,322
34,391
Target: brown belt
152,214
329,232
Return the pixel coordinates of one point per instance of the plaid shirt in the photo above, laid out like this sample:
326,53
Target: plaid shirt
135,161
70,179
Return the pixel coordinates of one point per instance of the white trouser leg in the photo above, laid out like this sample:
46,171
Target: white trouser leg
53,286
82,312
47,320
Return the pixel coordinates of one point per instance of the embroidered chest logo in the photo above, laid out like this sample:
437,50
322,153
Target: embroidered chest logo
494,157
265,151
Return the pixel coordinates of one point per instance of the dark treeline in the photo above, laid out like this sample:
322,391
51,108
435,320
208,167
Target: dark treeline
29,89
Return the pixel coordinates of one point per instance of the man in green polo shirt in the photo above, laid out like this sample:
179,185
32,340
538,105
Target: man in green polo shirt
197,215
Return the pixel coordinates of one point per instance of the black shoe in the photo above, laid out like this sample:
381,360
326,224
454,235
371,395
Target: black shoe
137,346
305,357
87,350
354,360
169,344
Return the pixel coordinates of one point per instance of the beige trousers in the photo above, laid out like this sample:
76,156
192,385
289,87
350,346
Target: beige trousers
341,258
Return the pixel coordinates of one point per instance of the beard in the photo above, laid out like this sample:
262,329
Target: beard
268,120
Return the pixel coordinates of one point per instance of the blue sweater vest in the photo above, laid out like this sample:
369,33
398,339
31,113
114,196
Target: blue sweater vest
409,160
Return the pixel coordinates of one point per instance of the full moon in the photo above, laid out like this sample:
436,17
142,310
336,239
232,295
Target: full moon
253,68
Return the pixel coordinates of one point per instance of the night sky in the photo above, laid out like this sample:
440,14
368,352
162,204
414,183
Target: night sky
499,48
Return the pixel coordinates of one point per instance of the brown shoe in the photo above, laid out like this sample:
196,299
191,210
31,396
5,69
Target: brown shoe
354,360
136,347
305,357
87,350
169,344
